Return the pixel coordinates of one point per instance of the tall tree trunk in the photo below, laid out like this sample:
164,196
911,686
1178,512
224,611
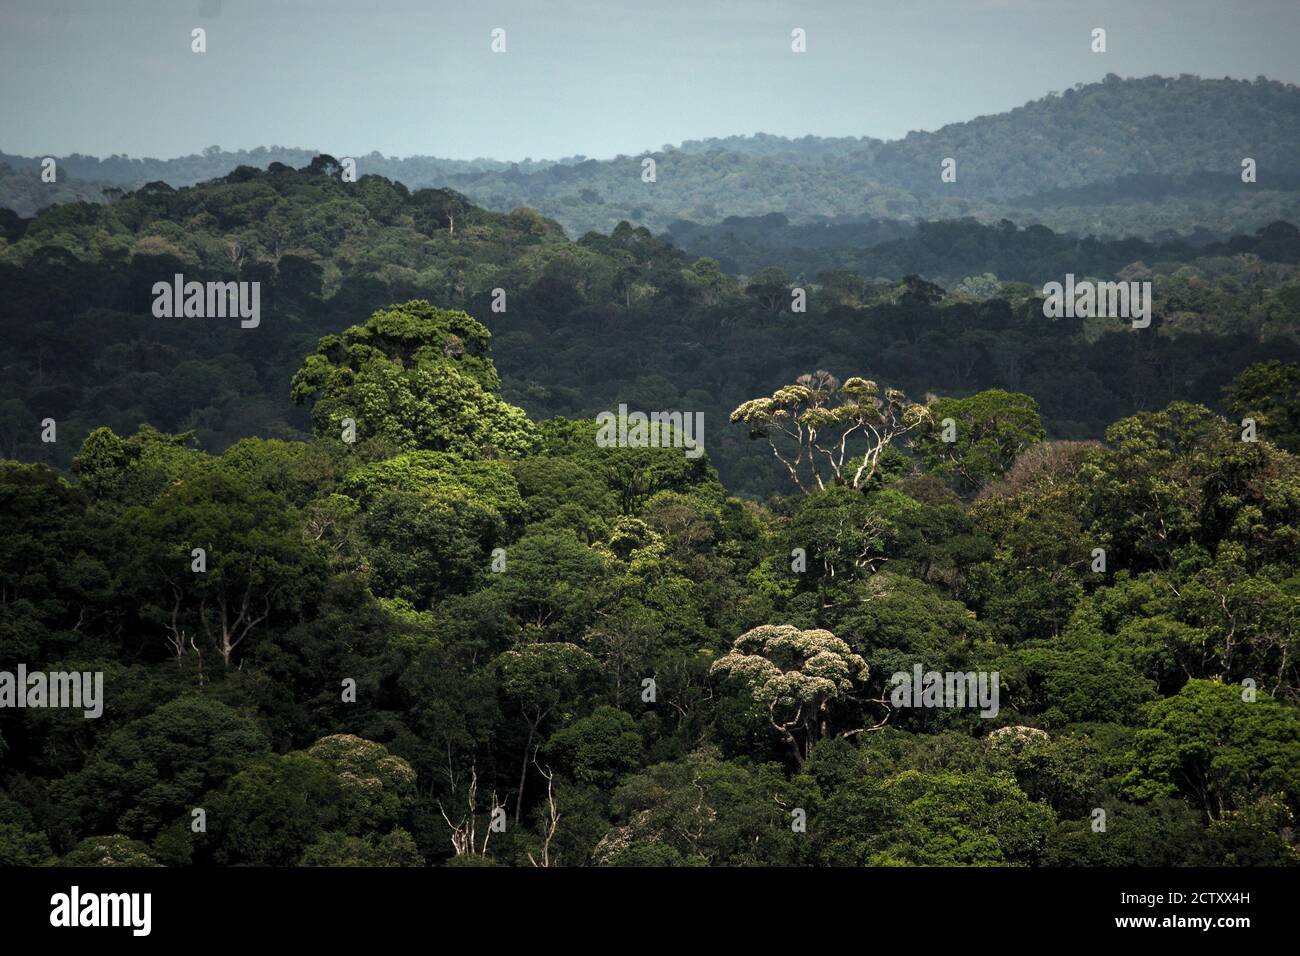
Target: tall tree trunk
523,773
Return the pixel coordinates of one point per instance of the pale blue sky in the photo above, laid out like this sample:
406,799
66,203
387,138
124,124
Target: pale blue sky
593,77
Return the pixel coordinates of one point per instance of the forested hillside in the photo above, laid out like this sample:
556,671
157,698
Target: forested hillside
948,252
1151,157
467,637
589,324
480,513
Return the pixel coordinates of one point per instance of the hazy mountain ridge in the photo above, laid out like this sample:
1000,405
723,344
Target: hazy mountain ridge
1023,164
1102,131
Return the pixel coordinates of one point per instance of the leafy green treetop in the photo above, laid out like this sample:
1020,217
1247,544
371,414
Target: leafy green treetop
1269,392
1218,749
990,430
416,377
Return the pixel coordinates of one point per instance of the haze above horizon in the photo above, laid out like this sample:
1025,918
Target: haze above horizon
577,77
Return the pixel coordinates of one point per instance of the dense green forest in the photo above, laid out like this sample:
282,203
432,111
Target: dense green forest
372,580
949,252
609,319
464,616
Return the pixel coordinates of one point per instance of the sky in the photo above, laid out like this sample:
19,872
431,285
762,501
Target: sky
578,77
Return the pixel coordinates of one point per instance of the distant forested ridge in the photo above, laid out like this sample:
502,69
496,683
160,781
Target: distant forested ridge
1155,157
950,251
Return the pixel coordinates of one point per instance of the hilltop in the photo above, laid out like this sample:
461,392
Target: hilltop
1120,157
